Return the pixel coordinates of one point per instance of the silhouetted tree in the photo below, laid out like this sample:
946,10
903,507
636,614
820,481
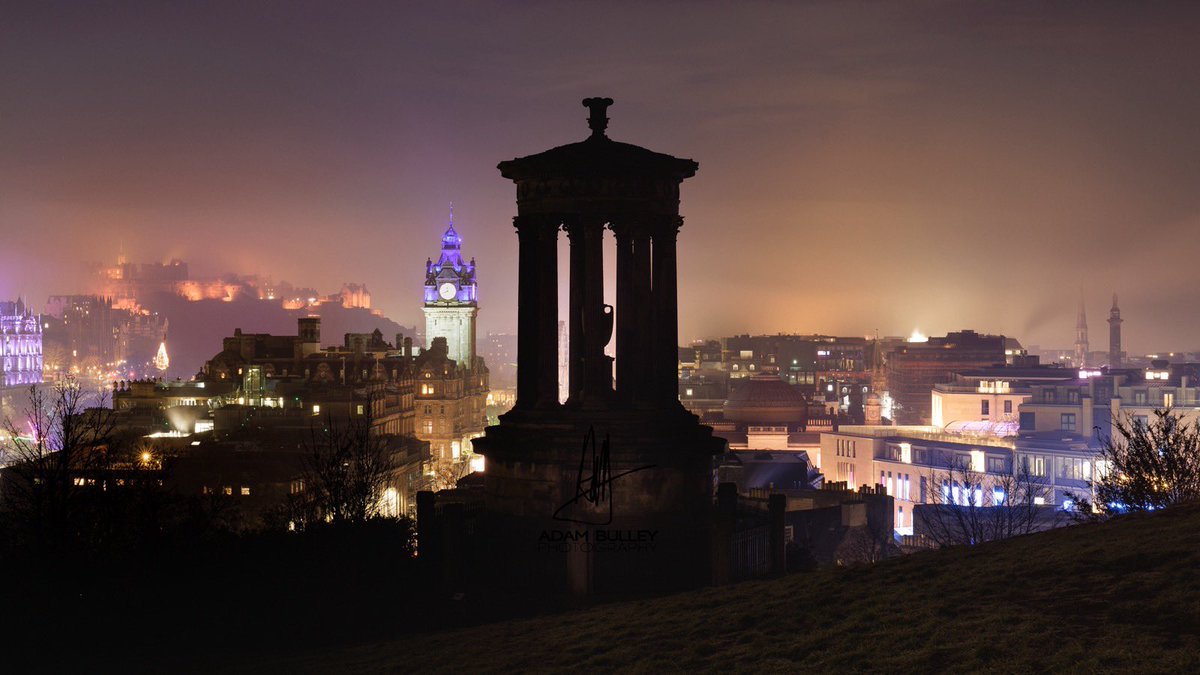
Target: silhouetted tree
57,458
1147,465
346,469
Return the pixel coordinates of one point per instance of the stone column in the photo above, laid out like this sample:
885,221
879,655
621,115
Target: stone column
575,321
537,312
590,370
633,310
666,312
644,311
625,325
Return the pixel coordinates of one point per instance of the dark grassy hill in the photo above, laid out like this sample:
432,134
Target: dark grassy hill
1114,597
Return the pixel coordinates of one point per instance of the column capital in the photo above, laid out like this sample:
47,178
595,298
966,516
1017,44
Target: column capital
665,225
537,222
577,224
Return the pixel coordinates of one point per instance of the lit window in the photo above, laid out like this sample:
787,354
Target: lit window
228,490
360,409
245,491
316,409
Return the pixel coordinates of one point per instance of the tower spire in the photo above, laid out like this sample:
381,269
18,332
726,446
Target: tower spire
1081,335
1115,355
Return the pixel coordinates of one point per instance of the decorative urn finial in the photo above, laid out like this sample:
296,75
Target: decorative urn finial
598,119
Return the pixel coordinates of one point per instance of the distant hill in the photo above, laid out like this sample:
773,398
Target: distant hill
1115,597
197,328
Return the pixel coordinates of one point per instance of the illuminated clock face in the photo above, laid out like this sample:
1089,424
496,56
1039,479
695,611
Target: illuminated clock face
447,291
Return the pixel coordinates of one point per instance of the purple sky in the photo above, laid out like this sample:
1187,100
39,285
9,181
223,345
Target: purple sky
894,165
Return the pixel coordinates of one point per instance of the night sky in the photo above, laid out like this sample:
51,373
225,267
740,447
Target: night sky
876,166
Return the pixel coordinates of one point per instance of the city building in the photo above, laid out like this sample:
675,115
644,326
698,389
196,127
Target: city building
1044,423
836,373
987,399
764,413
90,336
1090,405
914,368
20,345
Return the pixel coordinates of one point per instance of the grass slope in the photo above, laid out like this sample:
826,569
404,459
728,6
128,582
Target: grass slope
1119,596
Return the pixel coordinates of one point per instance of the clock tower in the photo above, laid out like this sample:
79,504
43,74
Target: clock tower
450,301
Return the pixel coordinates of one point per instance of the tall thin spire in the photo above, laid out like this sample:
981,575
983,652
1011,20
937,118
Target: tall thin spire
1081,335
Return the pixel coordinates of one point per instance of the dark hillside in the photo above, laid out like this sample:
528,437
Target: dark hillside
1112,597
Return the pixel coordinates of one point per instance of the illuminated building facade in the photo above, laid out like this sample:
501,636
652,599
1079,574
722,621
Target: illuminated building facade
451,410
366,375
429,396
20,345
992,396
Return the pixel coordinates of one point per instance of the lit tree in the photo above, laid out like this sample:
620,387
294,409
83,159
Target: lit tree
1148,464
346,469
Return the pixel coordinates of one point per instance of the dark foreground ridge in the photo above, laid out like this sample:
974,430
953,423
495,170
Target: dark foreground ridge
1113,597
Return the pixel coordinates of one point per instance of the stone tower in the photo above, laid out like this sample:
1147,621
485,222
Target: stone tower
621,459
1115,356
451,305
1081,336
